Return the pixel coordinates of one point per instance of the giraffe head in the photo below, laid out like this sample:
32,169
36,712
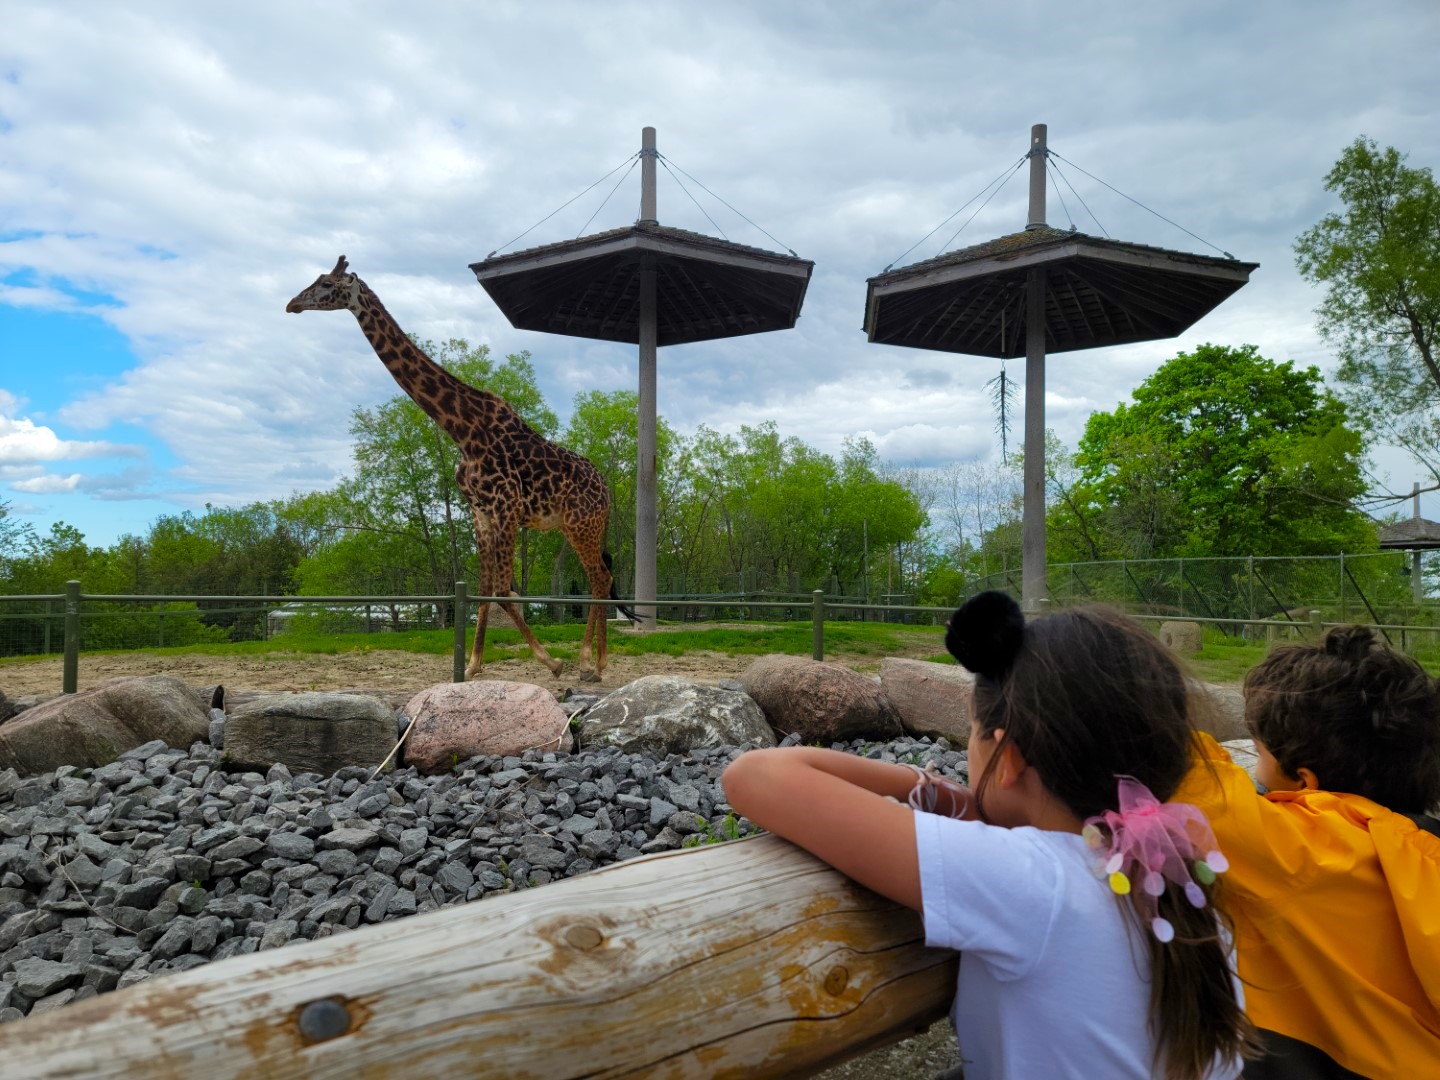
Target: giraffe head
331,292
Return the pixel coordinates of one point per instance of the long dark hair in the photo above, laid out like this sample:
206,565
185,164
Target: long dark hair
1088,695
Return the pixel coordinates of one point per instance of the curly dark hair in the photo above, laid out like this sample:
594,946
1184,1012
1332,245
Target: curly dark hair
1364,718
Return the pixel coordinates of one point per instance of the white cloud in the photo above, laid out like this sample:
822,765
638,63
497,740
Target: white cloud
48,484
24,442
201,165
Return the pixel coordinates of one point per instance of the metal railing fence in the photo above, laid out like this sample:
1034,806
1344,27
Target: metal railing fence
78,612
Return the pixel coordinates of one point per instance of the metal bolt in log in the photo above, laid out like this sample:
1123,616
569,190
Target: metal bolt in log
325,1019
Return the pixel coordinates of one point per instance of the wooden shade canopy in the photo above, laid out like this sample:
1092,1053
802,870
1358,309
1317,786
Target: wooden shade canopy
1040,291
1097,292
590,287
649,285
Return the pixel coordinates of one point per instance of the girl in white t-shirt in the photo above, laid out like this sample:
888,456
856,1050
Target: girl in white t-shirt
1079,899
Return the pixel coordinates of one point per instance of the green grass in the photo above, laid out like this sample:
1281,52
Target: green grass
563,642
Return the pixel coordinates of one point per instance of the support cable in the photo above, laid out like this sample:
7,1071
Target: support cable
562,206
723,203
633,162
1003,176
695,200
1142,206
982,206
1061,174
1059,195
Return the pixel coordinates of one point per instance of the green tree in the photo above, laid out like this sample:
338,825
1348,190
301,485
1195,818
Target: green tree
1222,452
1379,261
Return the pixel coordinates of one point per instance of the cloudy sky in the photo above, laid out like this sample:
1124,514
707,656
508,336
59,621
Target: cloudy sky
171,174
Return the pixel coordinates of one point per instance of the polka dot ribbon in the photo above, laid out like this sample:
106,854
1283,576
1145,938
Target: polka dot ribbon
1152,845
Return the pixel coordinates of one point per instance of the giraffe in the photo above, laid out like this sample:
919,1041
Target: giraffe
512,476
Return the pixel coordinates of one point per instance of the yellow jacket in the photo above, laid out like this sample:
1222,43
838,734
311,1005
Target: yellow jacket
1336,907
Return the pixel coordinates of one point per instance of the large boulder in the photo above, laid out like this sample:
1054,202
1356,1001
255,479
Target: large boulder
819,702
308,732
1184,638
664,714
94,727
931,699
1220,710
454,721
1242,753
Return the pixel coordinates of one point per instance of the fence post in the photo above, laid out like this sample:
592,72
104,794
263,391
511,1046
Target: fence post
70,677
1342,588
461,619
1315,624
45,623
817,624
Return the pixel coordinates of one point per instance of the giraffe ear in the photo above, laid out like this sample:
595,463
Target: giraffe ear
340,266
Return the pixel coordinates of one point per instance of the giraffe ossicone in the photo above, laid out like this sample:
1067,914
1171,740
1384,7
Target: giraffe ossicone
512,476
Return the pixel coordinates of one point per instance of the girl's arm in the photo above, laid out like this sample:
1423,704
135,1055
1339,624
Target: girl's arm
834,806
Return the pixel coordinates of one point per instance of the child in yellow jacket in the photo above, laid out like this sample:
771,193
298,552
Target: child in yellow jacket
1334,882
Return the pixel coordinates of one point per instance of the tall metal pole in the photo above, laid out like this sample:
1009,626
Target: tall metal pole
1032,545
645,516
1417,579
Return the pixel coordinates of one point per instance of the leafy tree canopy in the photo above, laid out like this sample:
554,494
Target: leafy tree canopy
1378,259
1221,452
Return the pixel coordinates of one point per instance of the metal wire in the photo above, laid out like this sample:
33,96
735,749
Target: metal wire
562,206
722,202
1142,206
1003,176
694,200
982,206
633,162
1059,195
1071,186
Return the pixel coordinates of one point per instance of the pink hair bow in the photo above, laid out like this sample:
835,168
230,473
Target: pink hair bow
1151,843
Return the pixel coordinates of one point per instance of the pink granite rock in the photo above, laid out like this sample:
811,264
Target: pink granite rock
455,721
819,702
932,699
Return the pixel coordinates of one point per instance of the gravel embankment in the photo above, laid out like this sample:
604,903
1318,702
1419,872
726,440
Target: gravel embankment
162,862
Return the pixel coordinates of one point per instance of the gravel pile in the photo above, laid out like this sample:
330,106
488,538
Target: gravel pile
162,862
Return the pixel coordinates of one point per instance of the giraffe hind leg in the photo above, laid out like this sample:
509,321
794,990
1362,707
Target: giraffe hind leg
587,544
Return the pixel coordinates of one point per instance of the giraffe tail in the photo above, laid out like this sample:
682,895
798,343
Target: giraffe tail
627,612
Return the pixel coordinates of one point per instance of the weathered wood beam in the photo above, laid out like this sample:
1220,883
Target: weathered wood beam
747,959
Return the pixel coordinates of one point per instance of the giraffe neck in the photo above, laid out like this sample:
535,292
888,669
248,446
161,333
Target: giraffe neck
456,406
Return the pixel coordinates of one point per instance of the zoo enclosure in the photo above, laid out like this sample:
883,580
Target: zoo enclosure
78,613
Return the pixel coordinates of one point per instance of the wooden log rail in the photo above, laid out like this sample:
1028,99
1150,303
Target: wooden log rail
746,959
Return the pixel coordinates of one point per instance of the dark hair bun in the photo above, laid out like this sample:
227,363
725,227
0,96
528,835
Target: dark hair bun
985,633
1350,643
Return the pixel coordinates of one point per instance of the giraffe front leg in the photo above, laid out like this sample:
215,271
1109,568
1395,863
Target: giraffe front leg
596,615
477,651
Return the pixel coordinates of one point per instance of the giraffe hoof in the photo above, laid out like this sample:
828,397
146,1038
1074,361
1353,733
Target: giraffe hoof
589,676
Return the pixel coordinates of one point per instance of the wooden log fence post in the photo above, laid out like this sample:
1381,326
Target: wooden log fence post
746,959
817,624
70,674
461,621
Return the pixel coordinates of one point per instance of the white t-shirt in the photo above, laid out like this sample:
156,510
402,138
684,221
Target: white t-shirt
1054,979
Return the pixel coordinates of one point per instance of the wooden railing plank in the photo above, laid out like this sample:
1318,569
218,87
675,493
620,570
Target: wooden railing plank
744,959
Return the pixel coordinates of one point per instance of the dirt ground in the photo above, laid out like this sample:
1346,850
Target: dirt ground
376,669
